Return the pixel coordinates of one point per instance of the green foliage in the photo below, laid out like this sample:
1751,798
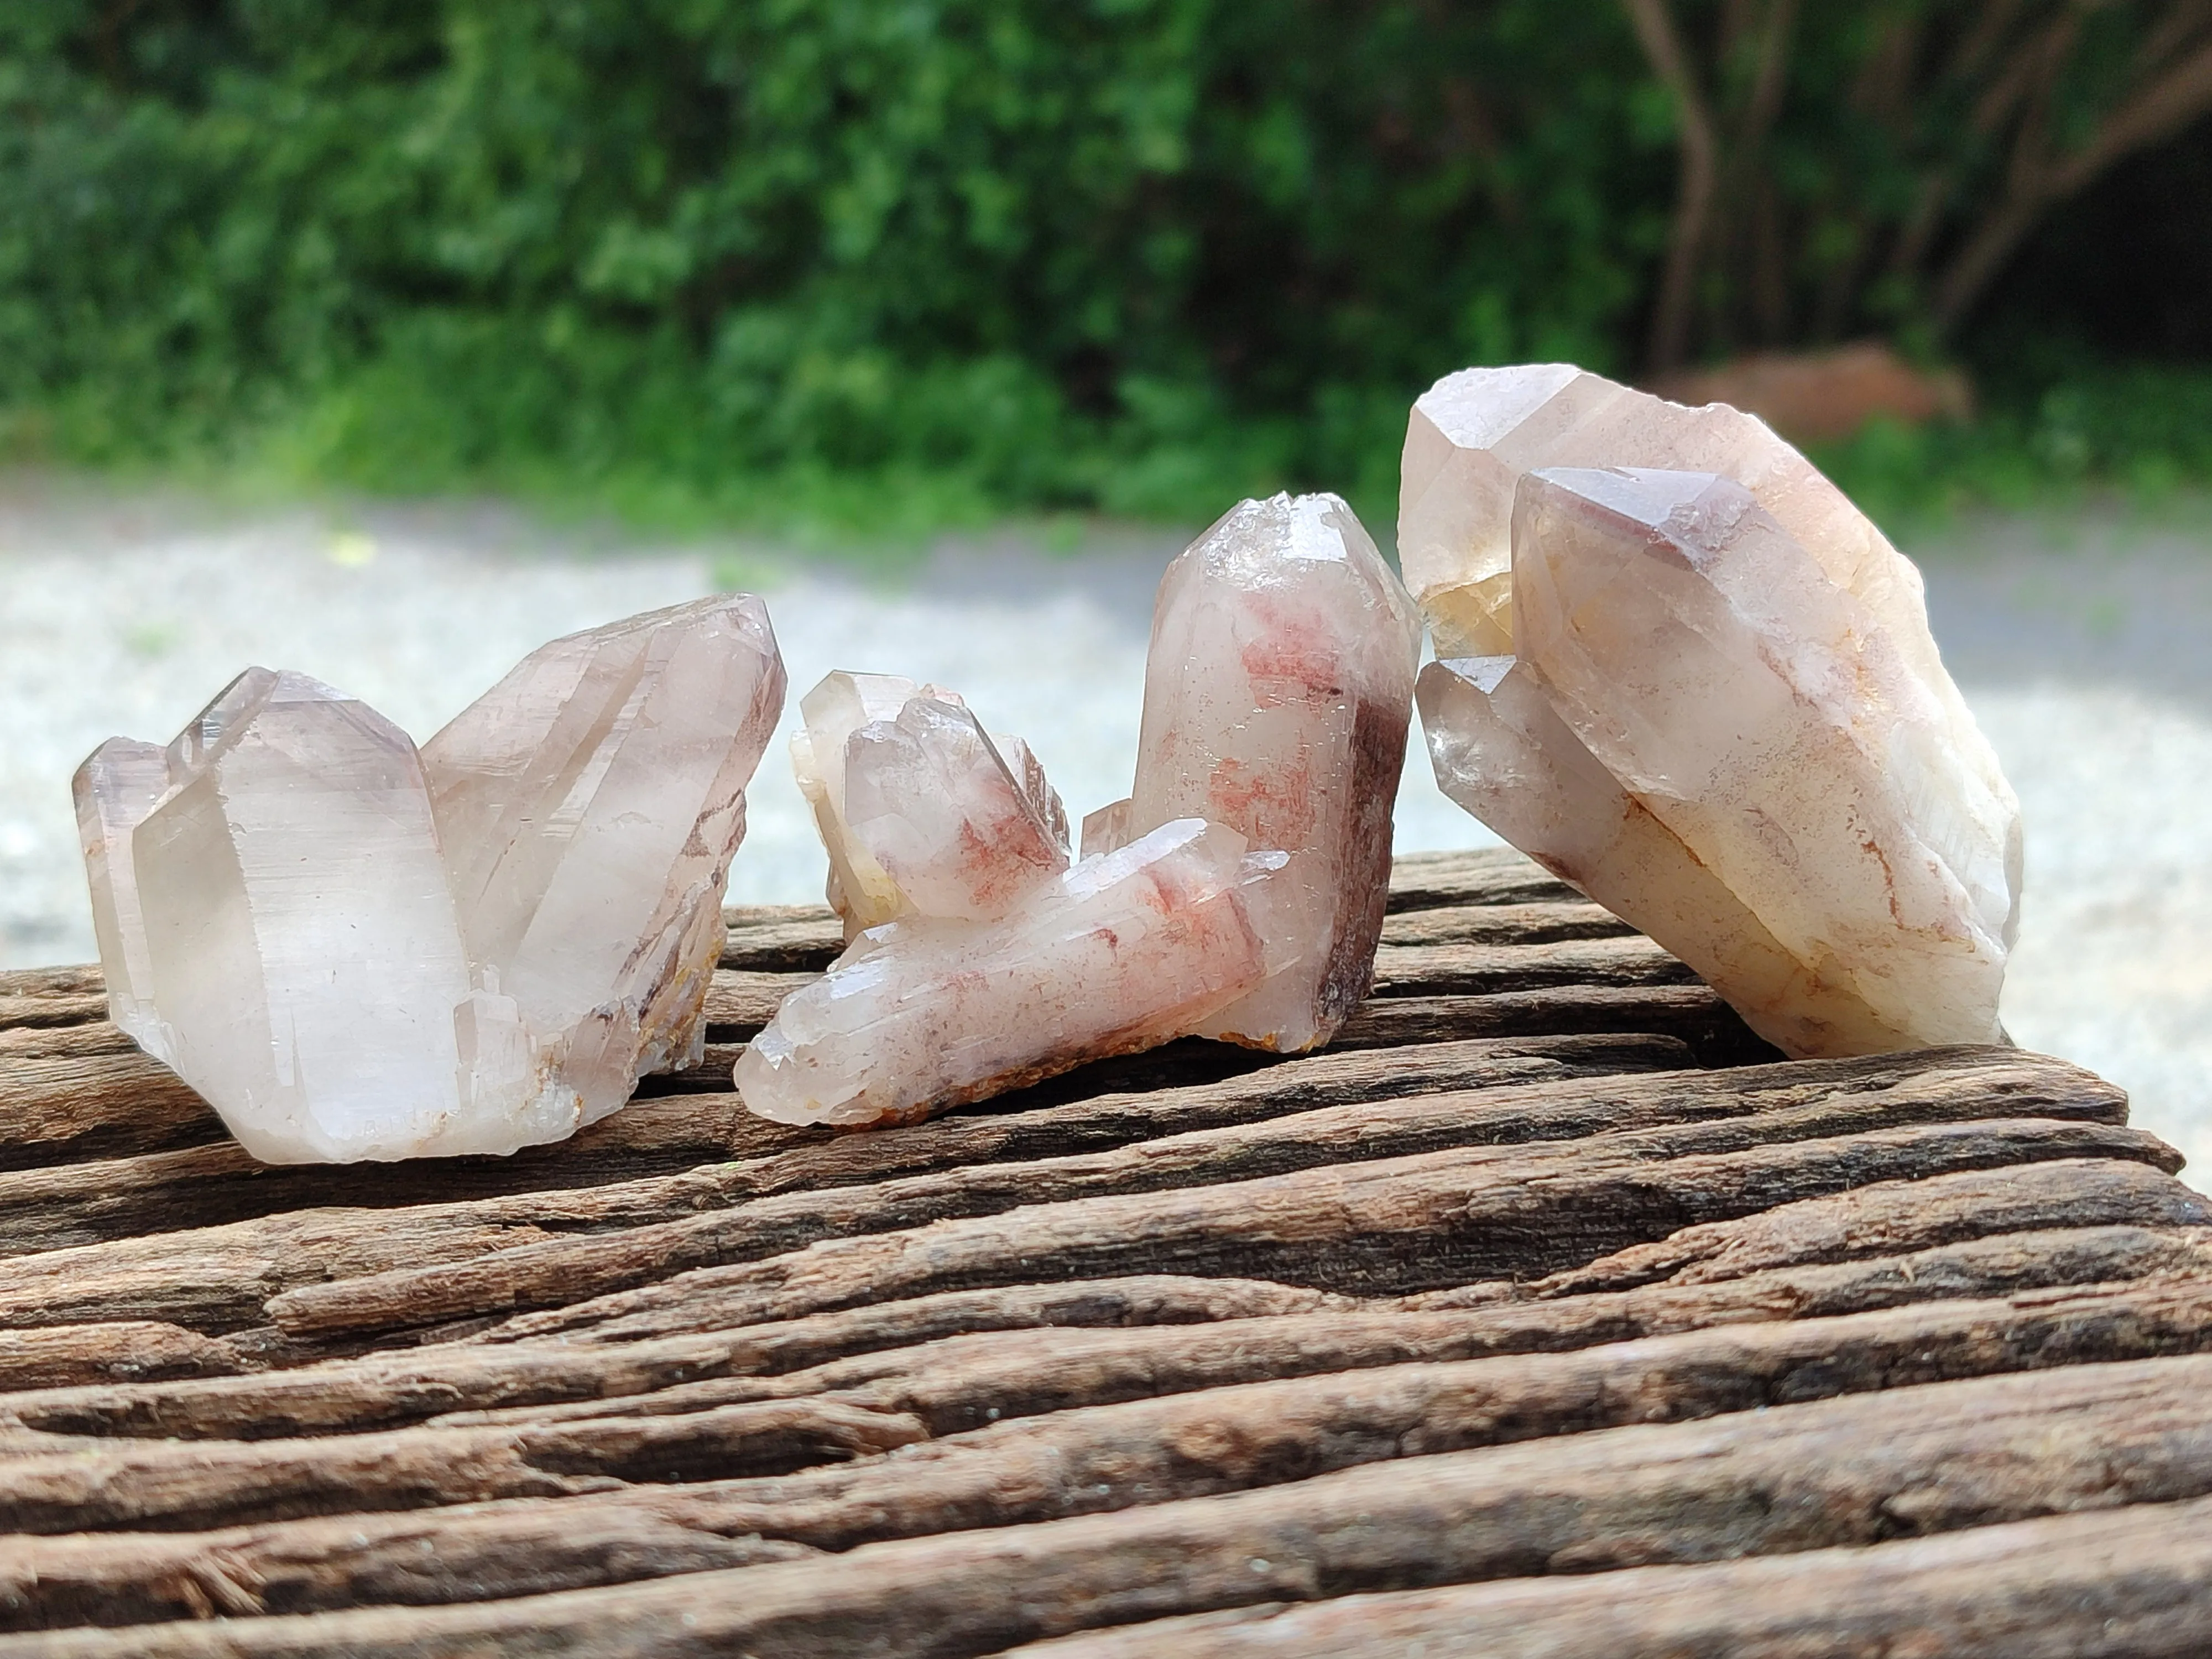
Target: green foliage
2145,430
781,260
1135,255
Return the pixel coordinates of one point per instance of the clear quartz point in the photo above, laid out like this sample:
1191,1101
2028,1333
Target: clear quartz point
1501,751
1710,729
923,813
355,950
1122,951
1473,434
1277,693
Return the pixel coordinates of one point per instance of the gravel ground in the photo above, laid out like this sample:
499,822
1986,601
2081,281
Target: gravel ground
2084,645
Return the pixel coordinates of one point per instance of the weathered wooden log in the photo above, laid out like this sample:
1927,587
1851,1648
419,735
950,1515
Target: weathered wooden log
94,1037
1235,1438
1885,1219
1851,1095
780,938
71,981
807,938
69,1356
62,1205
968,1381
65,1483
240,1265
327,1565
54,1209
1390,1227
107,1103
1538,923
739,1002
21,1011
220,1279
1714,1032
1486,875
1411,970
1800,1477
509,1550
107,1145
963,1359
394,1387
1428,1222
2136,1581
1091,1457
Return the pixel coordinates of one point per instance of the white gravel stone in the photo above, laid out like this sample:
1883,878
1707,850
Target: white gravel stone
2087,658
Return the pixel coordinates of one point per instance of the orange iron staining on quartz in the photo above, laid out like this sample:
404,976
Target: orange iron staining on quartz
1237,894
1683,671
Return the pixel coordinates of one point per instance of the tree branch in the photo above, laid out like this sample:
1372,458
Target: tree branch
1663,46
2170,103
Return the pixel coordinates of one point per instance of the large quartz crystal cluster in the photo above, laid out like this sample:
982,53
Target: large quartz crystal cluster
1238,893
1683,671
356,949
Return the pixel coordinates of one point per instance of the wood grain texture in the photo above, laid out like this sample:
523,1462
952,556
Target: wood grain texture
1547,1310
1287,1437
2136,1581
1800,1481
1238,1210
1399,1225
239,1265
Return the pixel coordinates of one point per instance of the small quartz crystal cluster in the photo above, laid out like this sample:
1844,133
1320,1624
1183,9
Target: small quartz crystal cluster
1680,669
1237,893
355,949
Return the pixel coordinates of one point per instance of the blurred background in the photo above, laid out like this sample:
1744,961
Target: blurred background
385,340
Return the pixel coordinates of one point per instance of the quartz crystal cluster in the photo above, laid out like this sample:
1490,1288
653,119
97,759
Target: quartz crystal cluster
356,949
1237,893
1277,693
923,812
1684,672
979,959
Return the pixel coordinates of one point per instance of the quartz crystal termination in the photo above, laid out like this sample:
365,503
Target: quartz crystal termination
1123,951
1473,434
922,811
1278,691
1713,736
355,950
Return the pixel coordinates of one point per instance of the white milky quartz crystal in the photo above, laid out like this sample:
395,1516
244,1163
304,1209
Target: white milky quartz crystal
1277,693
1710,729
921,811
357,951
1124,951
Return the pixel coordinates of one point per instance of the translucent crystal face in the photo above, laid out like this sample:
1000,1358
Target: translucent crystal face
1742,742
1473,434
1237,893
1120,952
355,950
832,712
923,812
1501,751
1277,693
